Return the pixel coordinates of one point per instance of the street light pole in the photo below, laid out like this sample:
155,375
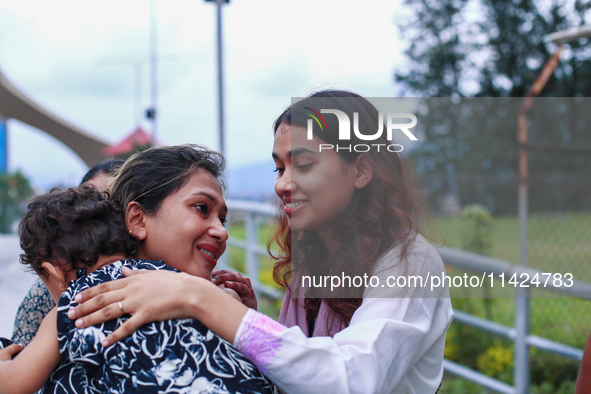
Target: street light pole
522,370
220,76
153,72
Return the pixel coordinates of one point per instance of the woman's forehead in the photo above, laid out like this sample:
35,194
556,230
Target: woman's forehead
294,141
200,178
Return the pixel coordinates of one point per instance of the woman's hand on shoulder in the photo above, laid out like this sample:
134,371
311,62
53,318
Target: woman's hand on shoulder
241,285
147,296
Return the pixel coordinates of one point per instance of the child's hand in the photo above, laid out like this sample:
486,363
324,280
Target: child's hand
230,292
238,283
7,353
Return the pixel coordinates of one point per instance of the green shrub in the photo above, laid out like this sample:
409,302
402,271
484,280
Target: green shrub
566,387
497,362
461,386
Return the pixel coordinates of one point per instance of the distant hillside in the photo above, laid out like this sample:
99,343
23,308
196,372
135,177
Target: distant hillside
252,182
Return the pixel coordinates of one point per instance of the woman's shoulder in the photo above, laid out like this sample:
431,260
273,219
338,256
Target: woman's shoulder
406,271
412,255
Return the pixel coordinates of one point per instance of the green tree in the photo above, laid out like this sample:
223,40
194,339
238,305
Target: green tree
15,189
493,48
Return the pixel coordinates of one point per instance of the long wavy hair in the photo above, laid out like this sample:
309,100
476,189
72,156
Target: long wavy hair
388,212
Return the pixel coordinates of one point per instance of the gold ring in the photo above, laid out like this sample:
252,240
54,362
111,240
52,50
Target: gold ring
120,306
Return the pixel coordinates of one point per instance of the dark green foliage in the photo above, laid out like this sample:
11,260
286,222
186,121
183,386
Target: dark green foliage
551,369
15,189
494,48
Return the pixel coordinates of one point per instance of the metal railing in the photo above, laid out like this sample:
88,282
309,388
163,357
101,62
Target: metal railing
254,214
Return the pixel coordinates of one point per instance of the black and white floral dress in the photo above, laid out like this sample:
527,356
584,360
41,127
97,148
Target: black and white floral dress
173,356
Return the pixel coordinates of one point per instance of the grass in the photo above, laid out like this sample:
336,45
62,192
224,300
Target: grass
555,244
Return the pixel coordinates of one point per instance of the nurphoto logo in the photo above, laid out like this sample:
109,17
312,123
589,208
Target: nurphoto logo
345,129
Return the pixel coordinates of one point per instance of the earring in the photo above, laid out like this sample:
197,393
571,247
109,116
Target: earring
130,231
360,182
63,288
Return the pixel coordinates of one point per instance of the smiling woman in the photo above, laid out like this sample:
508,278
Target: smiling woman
187,229
174,208
347,214
314,185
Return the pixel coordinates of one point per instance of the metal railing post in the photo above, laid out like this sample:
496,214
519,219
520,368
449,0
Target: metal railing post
522,368
252,261
224,259
521,375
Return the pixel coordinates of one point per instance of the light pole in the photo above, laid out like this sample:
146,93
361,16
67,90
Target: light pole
522,320
220,75
152,112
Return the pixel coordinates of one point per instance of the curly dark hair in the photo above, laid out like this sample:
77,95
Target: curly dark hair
76,225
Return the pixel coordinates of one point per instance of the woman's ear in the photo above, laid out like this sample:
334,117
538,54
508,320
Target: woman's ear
363,171
56,273
135,219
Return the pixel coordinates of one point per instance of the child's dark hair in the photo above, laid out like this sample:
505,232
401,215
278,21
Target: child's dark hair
75,226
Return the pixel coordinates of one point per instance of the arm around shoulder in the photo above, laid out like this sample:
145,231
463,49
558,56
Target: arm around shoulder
32,367
391,345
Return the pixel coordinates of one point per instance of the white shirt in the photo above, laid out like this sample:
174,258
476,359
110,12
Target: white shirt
392,345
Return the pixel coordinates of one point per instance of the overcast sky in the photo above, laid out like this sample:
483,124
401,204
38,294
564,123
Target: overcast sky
61,54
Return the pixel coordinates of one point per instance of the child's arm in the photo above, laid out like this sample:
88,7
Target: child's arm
34,364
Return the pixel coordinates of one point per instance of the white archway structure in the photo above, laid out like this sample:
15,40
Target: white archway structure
16,105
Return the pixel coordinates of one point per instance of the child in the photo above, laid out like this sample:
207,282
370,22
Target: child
76,239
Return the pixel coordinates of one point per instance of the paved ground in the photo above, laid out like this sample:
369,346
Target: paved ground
14,282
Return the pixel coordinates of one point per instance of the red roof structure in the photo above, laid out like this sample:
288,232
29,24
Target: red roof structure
139,138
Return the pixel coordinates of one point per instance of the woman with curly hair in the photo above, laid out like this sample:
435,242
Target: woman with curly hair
348,213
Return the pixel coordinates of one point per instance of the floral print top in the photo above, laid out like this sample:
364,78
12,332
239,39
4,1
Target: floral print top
173,356
36,304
